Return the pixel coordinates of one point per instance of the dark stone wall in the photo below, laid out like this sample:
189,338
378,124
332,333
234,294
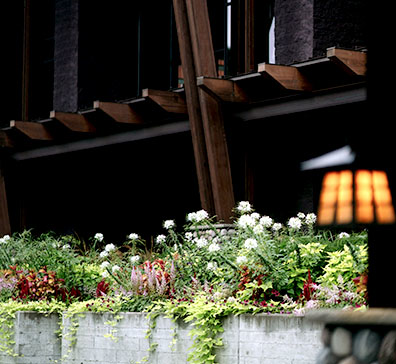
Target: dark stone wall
66,55
306,28
293,30
339,23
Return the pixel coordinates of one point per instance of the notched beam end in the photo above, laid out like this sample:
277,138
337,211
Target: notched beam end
224,90
353,62
288,77
120,113
73,121
172,102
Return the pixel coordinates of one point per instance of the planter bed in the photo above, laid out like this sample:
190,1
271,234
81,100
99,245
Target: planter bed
261,338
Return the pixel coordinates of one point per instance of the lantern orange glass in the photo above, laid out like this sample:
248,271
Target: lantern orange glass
361,196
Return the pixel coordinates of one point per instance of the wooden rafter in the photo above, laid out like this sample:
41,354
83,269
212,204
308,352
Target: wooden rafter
33,130
170,101
121,113
288,77
73,121
353,62
224,90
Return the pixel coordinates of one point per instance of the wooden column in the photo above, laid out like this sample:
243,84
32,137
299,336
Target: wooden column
212,116
193,106
5,227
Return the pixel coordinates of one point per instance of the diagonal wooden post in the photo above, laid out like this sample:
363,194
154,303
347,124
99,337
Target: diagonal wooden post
193,106
5,227
212,116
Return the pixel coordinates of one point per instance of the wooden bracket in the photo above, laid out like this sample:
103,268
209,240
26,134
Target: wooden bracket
353,62
120,113
170,101
74,122
32,130
223,90
288,77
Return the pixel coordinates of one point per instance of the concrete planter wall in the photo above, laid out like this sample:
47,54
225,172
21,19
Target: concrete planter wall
280,339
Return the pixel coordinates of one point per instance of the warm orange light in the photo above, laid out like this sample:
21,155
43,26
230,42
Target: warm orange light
371,201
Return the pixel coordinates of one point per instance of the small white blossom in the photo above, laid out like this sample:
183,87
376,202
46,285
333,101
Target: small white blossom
98,236
211,266
241,259
197,216
133,236
105,274
294,223
310,219
201,242
343,235
214,247
105,264
277,226
104,254
110,247
250,243
231,299
115,268
246,221
301,215
169,224
255,215
244,206
4,239
66,246
160,239
266,221
258,229
135,259
189,236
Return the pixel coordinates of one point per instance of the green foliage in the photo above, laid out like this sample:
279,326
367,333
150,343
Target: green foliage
200,274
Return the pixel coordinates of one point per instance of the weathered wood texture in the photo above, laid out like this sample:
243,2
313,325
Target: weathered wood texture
193,106
212,116
5,226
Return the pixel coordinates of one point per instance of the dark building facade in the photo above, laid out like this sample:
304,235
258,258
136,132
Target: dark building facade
104,101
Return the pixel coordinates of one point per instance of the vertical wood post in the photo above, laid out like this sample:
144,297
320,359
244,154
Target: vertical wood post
212,116
193,107
5,226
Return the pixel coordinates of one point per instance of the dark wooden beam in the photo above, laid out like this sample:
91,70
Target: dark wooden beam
121,113
212,116
74,122
193,107
224,90
353,62
33,130
170,101
5,226
288,77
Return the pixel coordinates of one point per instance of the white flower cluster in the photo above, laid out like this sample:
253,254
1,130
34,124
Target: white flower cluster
212,266
4,239
134,259
197,216
258,223
201,242
241,260
250,243
98,237
169,224
296,222
214,247
160,239
343,235
244,206
133,236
